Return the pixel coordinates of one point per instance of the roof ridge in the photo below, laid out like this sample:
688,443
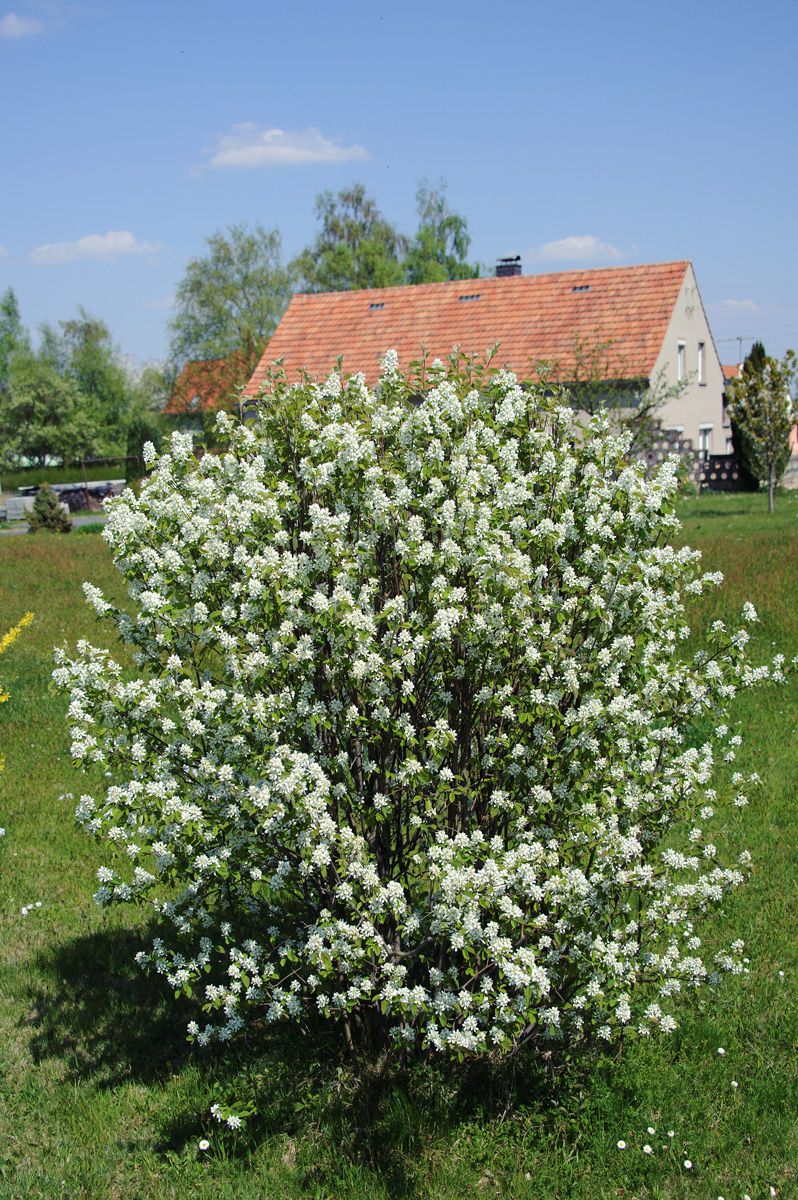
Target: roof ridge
503,280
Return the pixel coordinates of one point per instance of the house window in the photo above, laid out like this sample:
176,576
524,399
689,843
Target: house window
705,442
680,361
701,377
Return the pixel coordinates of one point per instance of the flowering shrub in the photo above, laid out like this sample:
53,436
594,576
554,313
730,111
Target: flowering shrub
6,641
414,740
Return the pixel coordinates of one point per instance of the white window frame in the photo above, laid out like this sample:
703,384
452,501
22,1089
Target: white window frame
681,348
702,349
705,441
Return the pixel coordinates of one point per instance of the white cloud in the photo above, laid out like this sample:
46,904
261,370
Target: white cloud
102,246
13,26
738,304
582,248
249,145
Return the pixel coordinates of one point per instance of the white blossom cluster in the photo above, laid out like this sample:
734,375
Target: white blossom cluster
414,740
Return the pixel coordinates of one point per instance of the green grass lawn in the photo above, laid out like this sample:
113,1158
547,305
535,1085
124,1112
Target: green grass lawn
102,1098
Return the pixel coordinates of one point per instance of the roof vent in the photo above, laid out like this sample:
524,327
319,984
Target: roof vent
508,266
581,287
377,305
470,296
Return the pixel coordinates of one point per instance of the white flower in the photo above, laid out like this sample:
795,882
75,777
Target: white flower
647,1149
721,1051
621,1145
688,1166
203,1144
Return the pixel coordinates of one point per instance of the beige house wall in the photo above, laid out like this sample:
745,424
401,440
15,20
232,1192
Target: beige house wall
699,404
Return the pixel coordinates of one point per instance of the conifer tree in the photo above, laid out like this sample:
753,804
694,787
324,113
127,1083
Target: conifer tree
48,513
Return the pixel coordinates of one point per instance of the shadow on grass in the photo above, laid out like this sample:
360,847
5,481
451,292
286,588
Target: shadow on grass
369,1116
700,513
102,1016
108,1023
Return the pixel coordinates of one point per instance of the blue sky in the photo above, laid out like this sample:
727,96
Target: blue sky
582,134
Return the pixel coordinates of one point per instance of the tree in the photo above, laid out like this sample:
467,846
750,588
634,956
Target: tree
439,249
356,246
756,356
48,513
761,409
599,384
82,351
93,363
43,415
149,393
231,298
407,744
12,336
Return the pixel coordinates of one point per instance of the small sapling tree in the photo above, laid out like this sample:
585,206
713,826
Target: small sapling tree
761,409
414,741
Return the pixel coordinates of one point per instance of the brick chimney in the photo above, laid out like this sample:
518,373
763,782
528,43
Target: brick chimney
508,266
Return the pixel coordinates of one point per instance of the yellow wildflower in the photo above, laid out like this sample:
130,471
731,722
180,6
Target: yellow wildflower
9,638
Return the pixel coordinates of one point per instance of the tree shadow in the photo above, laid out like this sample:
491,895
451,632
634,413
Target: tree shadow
102,1016
371,1113
710,513
108,1022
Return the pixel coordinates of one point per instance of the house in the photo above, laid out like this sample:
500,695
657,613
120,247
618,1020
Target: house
630,325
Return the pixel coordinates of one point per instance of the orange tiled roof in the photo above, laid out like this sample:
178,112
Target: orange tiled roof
208,383
731,371
536,318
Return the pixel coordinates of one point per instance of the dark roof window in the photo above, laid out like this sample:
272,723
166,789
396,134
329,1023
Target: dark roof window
470,296
581,287
377,305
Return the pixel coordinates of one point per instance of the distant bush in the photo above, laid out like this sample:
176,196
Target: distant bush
47,512
413,742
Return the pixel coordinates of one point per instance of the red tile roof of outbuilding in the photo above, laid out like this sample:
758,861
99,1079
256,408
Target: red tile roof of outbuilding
208,383
535,318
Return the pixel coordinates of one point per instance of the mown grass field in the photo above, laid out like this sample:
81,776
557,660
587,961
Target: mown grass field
101,1097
